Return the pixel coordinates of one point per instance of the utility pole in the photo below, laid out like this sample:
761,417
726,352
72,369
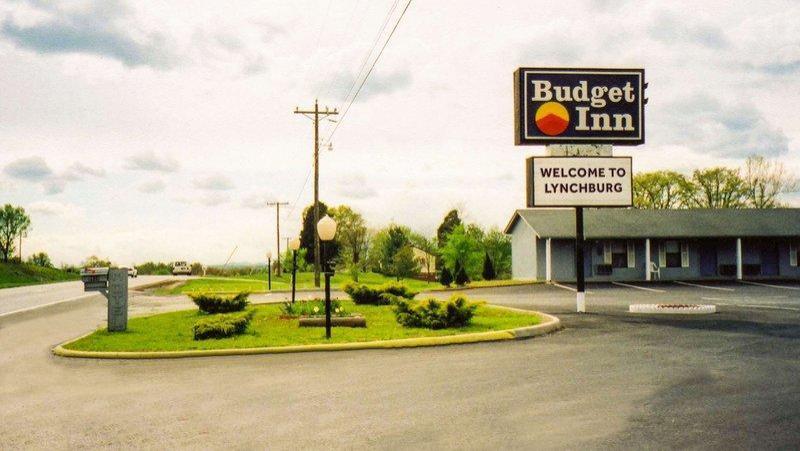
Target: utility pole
278,233
316,116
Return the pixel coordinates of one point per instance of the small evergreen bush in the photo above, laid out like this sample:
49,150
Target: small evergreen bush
433,314
362,294
461,275
488,269
221,326
445,278
209,303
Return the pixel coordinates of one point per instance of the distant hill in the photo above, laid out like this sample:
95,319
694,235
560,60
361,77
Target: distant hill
19,274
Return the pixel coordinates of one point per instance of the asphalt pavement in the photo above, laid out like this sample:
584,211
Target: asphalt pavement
609,380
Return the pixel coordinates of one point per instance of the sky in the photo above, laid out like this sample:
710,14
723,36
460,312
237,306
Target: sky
158,131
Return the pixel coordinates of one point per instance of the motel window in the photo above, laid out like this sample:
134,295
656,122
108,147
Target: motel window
619,254
674,254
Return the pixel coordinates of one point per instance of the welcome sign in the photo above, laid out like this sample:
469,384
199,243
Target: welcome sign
579,182
574,106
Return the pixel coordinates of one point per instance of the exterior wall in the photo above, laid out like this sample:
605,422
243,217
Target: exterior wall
563,260
787,270
621,274
523,252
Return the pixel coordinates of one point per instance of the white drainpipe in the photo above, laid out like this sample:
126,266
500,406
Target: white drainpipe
647,275
548,258
738,258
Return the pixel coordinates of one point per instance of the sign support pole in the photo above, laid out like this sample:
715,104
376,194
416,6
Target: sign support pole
579,266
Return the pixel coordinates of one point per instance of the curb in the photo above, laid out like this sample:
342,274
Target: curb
550,324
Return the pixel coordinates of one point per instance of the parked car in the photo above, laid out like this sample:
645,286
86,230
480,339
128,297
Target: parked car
181,268
133,272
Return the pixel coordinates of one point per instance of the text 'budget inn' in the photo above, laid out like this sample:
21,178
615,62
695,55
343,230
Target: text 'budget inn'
632,244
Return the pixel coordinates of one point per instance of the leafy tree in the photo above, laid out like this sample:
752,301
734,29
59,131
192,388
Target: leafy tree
302,264
450,221
660,190
40,259
765,180
488,268
498,246
717,188
97,262
404,264
156,268
351,233
14,222
445,278
461,275
463,249
309,231
197,269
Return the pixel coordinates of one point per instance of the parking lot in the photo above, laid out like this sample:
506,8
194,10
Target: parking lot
617,296
610,379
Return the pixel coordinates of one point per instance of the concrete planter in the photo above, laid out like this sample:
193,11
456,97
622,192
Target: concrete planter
336,321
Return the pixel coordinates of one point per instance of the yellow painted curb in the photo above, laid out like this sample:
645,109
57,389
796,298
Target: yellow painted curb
550,324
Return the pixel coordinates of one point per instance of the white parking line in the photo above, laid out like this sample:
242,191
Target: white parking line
574,290
784,287
689,284
654,290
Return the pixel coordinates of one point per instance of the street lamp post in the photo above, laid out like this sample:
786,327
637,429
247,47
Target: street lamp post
294,245
269,270
326,229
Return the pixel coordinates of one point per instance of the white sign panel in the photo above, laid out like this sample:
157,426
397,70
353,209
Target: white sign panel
579,182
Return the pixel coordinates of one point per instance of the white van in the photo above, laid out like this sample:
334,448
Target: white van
181,268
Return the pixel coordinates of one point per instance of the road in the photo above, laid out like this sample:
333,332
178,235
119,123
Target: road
21,298
609,380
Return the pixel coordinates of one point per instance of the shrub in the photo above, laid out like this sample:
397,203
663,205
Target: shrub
362,294
445,278
221,326
488,268
306,308
433,314
218,304
461,275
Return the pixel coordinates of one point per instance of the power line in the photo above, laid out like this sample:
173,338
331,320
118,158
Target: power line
347,108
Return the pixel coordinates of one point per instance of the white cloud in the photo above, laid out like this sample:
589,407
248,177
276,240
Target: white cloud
214,183
33,169
50,208
149,161
152,186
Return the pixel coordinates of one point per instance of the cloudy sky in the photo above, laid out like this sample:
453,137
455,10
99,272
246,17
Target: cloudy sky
159,130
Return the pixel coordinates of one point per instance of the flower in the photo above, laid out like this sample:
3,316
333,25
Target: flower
316,309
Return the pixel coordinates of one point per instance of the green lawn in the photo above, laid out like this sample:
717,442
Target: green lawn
20,274
257,283
173,331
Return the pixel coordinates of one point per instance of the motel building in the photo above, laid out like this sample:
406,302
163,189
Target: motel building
641,245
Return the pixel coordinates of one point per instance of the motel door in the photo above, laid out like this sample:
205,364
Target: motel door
708,259
769,259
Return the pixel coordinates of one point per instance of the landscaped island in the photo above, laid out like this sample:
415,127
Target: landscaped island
174,331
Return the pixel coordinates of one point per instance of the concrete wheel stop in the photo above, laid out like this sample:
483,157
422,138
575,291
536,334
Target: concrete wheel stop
673,309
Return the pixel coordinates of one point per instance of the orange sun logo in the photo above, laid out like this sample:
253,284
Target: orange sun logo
552,118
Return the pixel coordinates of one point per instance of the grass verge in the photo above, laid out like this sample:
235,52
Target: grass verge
22,274
173,331
257,283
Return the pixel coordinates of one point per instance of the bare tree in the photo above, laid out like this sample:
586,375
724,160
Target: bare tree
765,180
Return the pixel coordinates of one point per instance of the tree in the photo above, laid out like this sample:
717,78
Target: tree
717,188
351,233
309,231
461,275
765,180
488,268
13,223
463,249
498,246
404,264
40,259
96,262
197,269
385,243
445,278
660,190
450,221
